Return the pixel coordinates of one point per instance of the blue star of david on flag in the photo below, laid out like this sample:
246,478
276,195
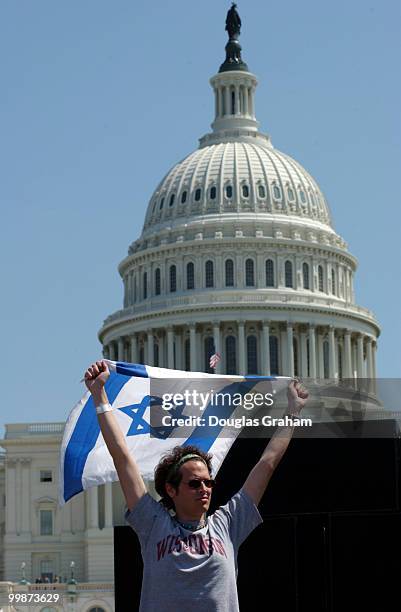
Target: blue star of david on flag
140,426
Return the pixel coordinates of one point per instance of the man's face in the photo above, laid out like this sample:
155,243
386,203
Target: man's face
191,504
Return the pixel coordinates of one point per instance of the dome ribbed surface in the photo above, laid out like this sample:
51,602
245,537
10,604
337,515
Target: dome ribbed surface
237,177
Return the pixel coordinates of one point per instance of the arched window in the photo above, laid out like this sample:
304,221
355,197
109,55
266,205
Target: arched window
229,269
209,350
209,276
252,354
172,198
231,355
305,275
320,278
145,285
161,203
134,283
157,281
290,194
190,275
156,355
249,273
333,281
296,356
262,191
277,192
269,273
198,194
184,197
245,191
288,274
273,350
173,278
232,103
213,193
187,355
303,197
229,191
325,359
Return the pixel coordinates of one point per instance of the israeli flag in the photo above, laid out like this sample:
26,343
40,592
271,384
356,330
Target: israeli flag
85,460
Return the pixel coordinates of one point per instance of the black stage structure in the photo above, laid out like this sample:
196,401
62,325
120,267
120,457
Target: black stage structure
331,537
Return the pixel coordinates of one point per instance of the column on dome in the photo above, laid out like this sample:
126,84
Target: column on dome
251,104
374,348
312,351
26,490
282,334
133,348
93,508
304,354
347,355
374,373
129,289
246,105
332,353
120,354
162,357
227,100
112,351
150,341
265,352
290,350
359,356
170,348
220,102
320,364
237,109
217,344
216,102
369,360
11,495
108,505
192,347
241,348
18,508
179,351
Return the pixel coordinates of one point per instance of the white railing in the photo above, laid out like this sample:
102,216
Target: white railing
17,430
223,298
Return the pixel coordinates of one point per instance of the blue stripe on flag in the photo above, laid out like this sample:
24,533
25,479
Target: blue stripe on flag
131,369
205,439
84,436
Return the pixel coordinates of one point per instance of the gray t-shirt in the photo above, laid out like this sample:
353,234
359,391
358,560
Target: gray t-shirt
191,571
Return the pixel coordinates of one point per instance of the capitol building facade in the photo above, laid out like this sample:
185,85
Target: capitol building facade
238,255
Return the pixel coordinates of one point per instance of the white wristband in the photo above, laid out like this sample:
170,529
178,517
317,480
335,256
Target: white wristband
101,408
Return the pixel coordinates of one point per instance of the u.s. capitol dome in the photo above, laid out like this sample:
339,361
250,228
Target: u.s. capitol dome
238,255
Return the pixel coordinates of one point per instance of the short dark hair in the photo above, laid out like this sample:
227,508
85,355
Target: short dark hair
165,472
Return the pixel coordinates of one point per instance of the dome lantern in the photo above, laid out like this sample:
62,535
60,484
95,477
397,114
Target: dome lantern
234,90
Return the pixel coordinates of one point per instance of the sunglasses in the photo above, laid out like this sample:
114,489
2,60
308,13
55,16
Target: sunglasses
196,483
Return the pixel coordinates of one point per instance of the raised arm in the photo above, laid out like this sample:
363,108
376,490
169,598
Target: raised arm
258,479
128,473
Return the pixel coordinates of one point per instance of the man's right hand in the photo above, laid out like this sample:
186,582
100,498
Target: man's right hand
96,376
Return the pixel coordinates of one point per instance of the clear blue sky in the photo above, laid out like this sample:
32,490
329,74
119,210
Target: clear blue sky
99,99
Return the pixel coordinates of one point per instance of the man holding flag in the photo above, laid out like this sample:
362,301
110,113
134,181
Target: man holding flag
190,559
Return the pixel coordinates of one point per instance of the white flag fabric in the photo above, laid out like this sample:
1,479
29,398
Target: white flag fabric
85,460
